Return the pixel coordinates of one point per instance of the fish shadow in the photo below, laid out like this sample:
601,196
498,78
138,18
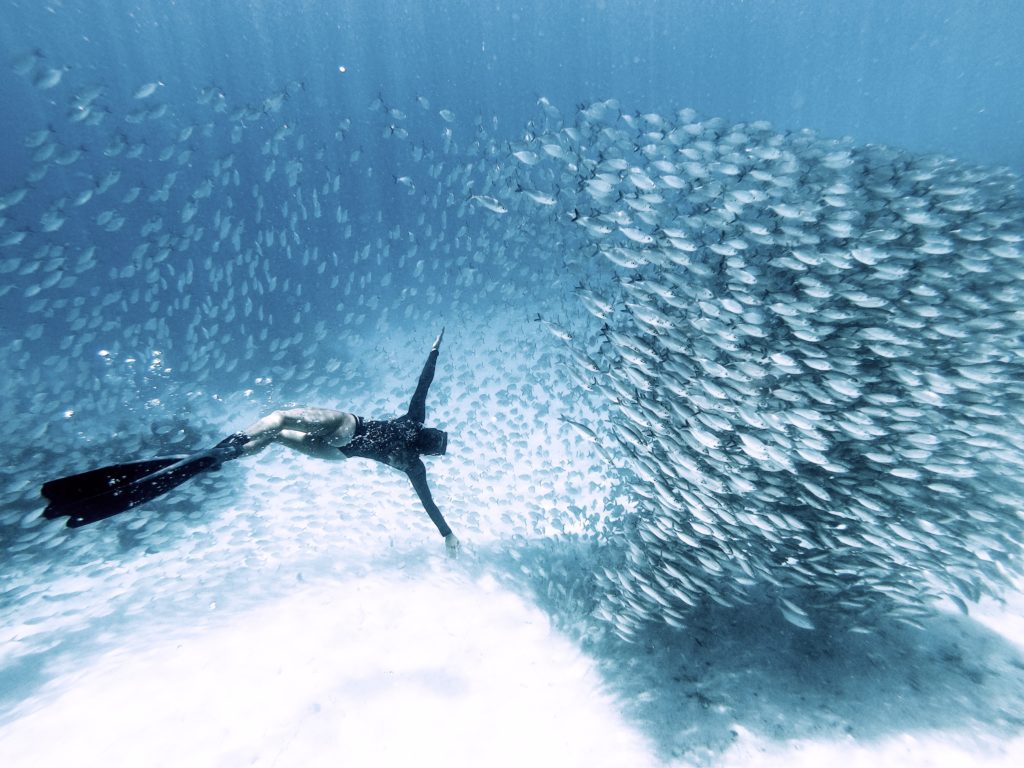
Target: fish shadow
692,690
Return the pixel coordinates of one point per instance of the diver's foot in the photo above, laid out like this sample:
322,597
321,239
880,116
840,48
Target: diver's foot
437,341
231,447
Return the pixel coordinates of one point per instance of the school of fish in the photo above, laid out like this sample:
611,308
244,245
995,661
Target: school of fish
796,360
810,354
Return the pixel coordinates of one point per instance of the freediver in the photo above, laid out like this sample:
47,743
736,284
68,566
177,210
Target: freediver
319,432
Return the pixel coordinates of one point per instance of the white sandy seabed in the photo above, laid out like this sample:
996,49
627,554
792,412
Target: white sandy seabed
438,667
358,643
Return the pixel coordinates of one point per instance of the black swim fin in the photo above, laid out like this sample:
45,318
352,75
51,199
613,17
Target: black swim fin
105,492
95,482
125,495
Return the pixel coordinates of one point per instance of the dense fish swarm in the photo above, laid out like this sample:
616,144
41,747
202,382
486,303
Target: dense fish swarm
811,359
806,353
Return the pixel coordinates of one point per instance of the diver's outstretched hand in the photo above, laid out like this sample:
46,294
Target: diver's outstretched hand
437,341
452,545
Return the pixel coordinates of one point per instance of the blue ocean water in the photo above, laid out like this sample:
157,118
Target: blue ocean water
929,77
212,209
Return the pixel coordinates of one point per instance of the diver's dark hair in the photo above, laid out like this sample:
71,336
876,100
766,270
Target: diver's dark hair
432,442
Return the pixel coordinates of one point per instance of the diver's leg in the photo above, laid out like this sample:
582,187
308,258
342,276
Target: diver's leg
320,424
303,442
418,404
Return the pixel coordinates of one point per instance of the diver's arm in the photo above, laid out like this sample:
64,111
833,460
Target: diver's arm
418,404
418,475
